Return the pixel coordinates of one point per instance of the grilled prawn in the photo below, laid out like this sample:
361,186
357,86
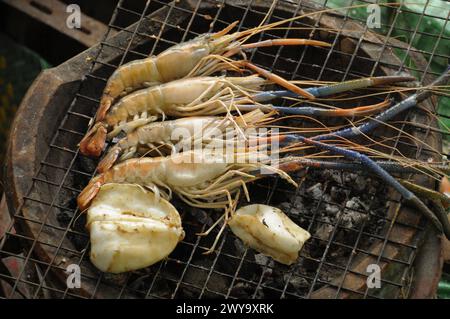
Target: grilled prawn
200,179
163,136
202,96
207,96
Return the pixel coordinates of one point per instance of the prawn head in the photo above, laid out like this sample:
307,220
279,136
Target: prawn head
93,142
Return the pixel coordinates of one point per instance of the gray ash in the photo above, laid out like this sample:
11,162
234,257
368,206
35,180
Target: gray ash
332,205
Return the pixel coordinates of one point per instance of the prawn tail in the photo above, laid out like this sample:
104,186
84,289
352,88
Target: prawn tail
93,142
105,104
86,196
110,158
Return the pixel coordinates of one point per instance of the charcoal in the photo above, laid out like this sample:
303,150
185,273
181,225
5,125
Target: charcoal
331,210
240,247
361,183
295,282
246,291
324,232
201,216
337,194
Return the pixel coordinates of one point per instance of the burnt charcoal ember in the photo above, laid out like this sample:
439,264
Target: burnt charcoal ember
195,278
297,211
361,182
64,217
297,208
160,287
338,194
331,209
296,283
201,216
324,231
336,176
262,259
333,203
349,177
198,276
87,164
239,246
246,290
311,264
139,283
267,264
316,191
117,280
218,283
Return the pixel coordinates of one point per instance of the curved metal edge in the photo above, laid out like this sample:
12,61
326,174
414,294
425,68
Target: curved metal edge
27,134
41,111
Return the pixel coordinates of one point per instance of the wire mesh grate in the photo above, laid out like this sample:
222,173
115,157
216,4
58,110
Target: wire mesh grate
346,234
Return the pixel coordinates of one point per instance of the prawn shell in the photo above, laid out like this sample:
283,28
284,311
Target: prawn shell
181,170
181,59
130,228
268,230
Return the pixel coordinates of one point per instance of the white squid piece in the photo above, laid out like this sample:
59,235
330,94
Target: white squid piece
130,228
268,230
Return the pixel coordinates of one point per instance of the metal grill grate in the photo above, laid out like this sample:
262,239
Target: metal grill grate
330,265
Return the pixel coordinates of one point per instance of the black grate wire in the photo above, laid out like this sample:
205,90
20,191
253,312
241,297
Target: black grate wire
230,272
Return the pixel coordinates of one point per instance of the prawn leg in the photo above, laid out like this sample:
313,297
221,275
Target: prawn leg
130,126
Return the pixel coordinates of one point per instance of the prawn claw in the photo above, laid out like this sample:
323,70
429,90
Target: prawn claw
108,161
105,105
94,141
86,196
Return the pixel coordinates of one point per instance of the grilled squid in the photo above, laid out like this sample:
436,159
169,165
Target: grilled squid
269,231
130,228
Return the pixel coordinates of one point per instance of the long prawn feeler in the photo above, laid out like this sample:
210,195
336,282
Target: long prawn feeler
368,126
390,167
327,90
205,96
200,56
387,115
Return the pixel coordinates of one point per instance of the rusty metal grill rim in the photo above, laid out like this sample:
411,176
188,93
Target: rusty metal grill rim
197,243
